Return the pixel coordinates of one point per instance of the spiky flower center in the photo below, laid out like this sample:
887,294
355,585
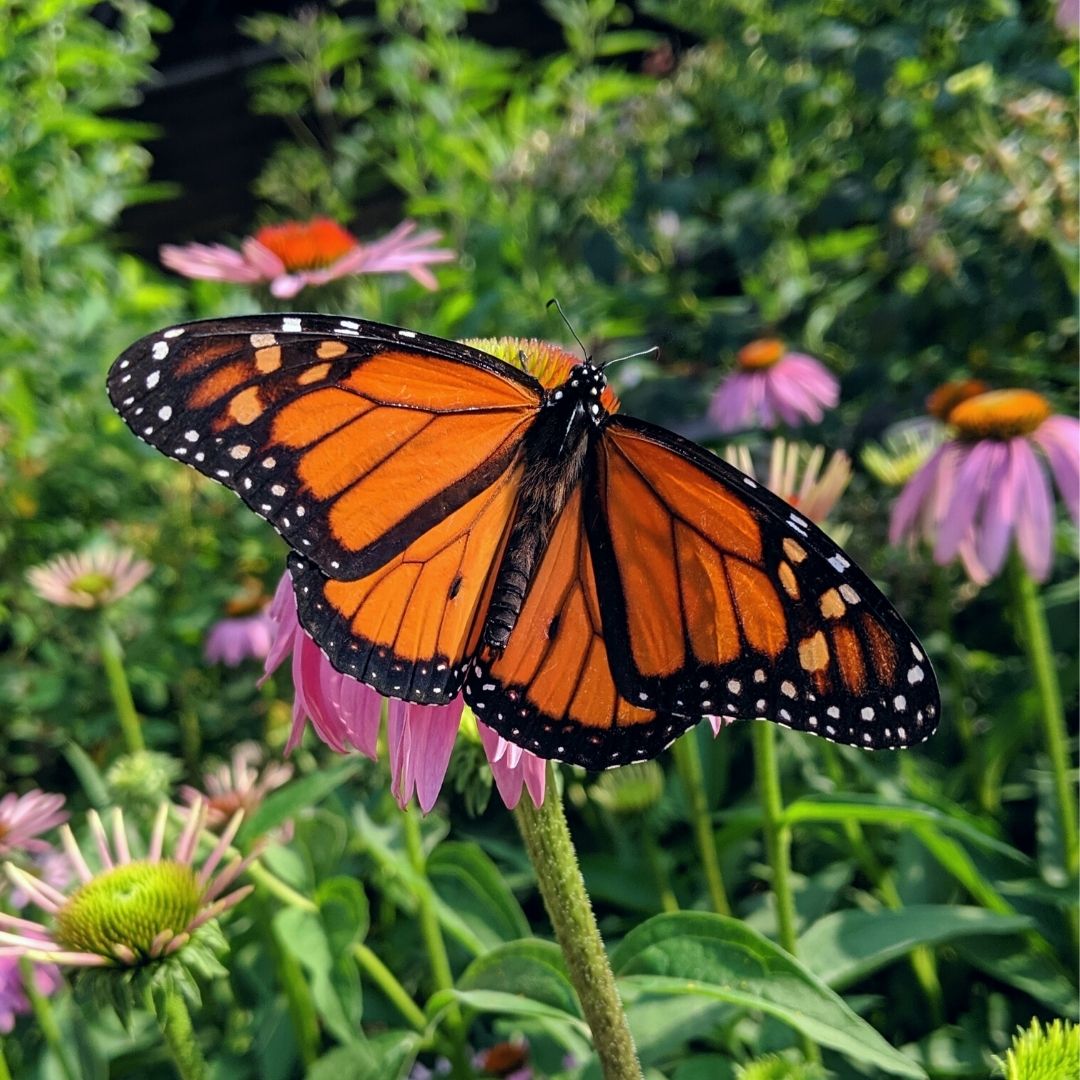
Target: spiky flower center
132,906
307,245
761,353
999,414
549,364
947,396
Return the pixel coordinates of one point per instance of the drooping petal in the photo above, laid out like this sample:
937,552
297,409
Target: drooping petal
981,466
1059,437
994,531
209,262
1035,522
909,508
421,739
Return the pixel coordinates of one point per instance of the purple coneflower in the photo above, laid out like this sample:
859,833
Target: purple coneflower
296,254
24,817
988,484
90,579
239,785
13,999
132,911
231,641
773,386
346,714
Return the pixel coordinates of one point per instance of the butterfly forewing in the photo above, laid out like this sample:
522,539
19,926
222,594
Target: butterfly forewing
352,439
725,601
410,628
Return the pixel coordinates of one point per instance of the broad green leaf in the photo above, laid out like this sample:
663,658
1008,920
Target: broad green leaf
530,968
294,797
844,946
386,1057
500,1004
470,883
1015,962
695,954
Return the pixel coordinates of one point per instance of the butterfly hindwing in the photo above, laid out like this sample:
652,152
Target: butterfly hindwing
720,599
552,690
353,439
409,628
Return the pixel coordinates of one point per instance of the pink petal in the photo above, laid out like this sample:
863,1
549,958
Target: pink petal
286,286
261,259
1035,523
976,477
1059,437
421,738
209,262
993,533
910,507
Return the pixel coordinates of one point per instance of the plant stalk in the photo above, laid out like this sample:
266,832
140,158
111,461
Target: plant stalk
1034,636
46,1019
112,657
551,851
777,846
180,1037
688,762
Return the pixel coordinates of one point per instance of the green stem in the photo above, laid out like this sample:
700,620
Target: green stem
551,851
657,867
1035,638
180,1038
276,887
688,762
46,1019
112,657
387,982
777,845
441,976
5,1072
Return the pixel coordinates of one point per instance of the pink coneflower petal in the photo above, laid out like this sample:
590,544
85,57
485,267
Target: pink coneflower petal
513,768
982,462
1059,438
24,817
189,837
40,892
1002,499
421,739
120,843
1035,518
261,260
97,831
220,847
74,854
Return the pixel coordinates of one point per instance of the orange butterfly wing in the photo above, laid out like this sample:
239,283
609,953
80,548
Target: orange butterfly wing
409,628
552,690
718,598
353,439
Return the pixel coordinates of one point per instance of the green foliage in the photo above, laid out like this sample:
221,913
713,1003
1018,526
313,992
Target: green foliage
892,186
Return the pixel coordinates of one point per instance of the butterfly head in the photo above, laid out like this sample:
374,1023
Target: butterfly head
583,388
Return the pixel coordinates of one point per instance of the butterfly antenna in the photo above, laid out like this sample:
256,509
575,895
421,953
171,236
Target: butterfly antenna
653,350
558,307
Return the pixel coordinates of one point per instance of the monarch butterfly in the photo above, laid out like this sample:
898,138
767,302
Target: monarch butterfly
592,583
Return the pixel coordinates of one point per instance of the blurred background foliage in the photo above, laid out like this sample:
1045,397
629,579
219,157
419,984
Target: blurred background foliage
891,185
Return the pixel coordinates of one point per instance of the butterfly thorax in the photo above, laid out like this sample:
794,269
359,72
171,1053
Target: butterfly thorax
554,454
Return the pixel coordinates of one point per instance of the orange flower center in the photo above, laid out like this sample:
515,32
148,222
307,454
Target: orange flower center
999,414
947,396
549,364
307,245
761,353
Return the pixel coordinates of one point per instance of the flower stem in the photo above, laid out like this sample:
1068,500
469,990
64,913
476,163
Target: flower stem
276,887
777,845
386,981
688,762
112,658
5,1072
441,975
180,1037
551,851
46,1019
1035,637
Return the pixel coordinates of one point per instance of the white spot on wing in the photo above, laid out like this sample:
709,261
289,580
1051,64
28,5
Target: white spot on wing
291,325
160,350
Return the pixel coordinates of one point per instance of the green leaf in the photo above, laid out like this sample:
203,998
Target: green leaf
696,954
386,1057
469,882
295,796
845,946
530,968
501,1004
1014,962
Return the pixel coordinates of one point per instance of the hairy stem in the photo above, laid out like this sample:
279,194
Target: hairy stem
551,851
180,1037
